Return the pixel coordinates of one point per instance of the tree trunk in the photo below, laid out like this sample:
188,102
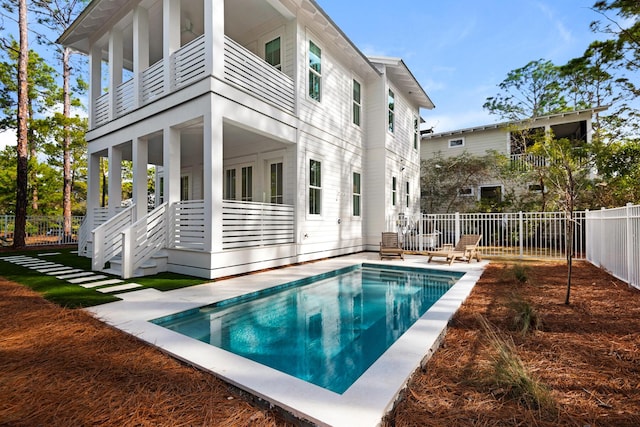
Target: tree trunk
22,148
66,146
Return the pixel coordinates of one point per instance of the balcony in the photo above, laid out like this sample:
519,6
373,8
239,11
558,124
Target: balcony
242,69
524,162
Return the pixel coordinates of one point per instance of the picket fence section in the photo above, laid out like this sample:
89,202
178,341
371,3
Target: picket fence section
41,230
613,242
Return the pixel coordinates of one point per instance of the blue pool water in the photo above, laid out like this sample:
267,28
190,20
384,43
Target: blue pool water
327,329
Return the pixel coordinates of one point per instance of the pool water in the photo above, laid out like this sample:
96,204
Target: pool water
327,329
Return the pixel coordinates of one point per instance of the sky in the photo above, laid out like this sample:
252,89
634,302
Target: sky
460,50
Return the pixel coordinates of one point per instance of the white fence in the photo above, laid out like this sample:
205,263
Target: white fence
512,235
613,242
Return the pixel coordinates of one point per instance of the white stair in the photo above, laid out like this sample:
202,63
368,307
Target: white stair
157,264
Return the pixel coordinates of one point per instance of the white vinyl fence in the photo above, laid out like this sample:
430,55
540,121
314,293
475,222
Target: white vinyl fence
512,235
613,242
41,230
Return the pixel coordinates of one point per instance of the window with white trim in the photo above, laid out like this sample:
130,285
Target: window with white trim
315,187
465,192
394,190
247,183
357,193
273,53
416,132
407,196
456,142
315,71
230,184
357,102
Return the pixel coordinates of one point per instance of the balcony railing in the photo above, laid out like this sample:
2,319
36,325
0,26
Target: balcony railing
527,161
242,69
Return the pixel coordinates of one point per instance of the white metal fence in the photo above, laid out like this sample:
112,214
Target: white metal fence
613,242
519,235
40,230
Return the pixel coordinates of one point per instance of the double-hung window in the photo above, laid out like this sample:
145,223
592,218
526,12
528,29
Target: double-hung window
391,108
416,132
407,194
315,187
356,194
247,183
315,71
357,103
230,184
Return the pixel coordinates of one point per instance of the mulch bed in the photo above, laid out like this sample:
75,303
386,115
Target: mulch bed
61,367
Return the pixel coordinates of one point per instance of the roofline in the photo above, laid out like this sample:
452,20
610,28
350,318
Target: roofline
394,61
76,22
514,122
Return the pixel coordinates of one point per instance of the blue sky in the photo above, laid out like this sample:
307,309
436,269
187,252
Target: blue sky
460,50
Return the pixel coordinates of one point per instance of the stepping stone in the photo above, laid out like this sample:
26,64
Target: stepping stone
75,275
27,263
42,265
117,288
49,254
86,279
73,270
73,252
14,258
101,283
52,271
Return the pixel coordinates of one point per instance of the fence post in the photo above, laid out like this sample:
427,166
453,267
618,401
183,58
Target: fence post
457,228
630,258
603,224
521,234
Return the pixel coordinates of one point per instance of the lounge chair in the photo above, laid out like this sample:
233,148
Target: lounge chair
465,249
390,247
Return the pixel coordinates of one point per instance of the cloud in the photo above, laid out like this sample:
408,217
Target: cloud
7,137
566,36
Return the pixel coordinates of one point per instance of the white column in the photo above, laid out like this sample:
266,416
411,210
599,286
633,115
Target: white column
140,50
212,179
140,157
115,67
93,186
115,179
95,81
171,165
214,37
171,38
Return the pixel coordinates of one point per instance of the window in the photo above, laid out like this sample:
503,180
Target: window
315,187
230,184
457,142
416,132
275,184
272,53
356,194
393,191
407,194
357,104
465,192
184,187
535,188
315,71
391,106
247,184
491,193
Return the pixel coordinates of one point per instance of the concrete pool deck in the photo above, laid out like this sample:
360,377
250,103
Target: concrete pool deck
363,404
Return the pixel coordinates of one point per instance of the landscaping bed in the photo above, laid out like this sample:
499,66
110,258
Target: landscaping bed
61,367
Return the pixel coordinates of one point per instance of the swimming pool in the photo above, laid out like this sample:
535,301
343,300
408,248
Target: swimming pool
326,329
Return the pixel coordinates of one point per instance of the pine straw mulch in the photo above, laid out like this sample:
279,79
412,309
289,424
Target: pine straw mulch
587,354
62,367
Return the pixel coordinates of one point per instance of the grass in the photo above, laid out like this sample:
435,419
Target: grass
525,317
509,374
75,296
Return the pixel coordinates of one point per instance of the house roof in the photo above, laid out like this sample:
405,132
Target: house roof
400,74
528,122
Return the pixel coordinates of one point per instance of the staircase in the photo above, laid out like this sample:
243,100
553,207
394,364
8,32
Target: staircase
129,248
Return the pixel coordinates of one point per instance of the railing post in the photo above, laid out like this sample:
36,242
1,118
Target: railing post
97,260
127,253
521,234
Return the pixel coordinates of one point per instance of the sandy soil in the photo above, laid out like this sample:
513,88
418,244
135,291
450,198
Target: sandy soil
61,367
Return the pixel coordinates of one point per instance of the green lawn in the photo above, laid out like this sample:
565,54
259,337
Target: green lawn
75,296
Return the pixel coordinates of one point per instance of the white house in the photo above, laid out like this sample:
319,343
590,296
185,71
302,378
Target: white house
508,138
275,139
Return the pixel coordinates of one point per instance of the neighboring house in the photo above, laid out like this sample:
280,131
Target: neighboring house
508,138
275,139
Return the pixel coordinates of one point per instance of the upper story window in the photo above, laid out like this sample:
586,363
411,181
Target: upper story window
456,142
315,71
391,107
272,53
357,103
315,187
416,132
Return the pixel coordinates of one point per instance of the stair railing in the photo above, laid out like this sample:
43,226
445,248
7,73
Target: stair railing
144,239
107,242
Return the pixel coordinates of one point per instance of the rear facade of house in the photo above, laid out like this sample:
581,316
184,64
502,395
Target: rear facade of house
271,137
